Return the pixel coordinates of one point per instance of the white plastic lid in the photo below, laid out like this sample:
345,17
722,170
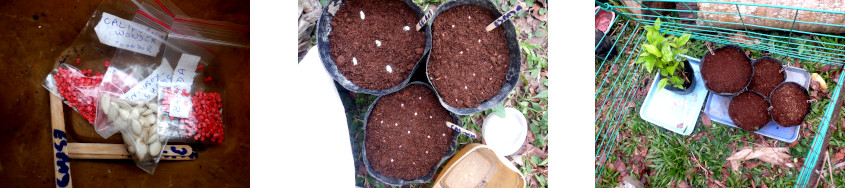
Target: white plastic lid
505,135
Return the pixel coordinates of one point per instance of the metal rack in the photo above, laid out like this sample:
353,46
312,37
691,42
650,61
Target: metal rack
722,22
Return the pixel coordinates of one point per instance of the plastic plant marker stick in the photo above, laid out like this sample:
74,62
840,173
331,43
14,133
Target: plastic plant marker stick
460,129
118,151
60,148
426,16
508,15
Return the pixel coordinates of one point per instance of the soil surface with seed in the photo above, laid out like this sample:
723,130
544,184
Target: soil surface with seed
468,65
767,76
726,71
353,40
407,134
789,105
749,111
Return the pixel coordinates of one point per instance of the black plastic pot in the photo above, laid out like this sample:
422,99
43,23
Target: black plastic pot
324,29
806,93
749,64
767,110
688,88
398,181
515,56
771,59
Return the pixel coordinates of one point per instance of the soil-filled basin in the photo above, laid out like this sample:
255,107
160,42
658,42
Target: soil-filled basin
726,71
789,104
471,69
406,137
749,110
768,74
371,46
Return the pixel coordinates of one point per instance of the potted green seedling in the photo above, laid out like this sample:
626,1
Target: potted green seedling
660,53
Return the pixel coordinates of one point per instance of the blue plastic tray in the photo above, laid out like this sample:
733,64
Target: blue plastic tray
676,113
717,109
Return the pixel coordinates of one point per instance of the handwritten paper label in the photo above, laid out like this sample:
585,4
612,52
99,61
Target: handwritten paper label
424,19
180,106
147,89
117,32
460,129
185,71
519,7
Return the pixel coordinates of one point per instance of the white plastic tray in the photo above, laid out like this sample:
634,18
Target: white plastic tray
676,113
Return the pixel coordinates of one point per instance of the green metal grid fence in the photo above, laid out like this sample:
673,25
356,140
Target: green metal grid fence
721,22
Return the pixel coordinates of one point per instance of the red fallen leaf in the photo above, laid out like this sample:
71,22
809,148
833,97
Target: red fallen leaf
531,150
620,167
825,68
705,120
838,156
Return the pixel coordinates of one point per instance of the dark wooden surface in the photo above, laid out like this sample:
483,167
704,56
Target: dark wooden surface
28,48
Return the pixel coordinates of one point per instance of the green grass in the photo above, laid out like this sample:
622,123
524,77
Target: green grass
698,161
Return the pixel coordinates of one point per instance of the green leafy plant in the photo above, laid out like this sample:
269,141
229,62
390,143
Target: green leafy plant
660,53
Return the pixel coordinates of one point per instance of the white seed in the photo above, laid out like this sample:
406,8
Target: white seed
135,113
124,113
469,17
396,124
144,137
462,52
403,104
415,114
391,160
131,147
429,117
465,87
406,28
444,134
378,43
127,140
429,136
426,151
420,98
155,148
354,61
143,121
409,131
136,127
105,102
362,14
147,112
453,26
142,150
122,104
390,70
479,40
152,105
473,74
382,121
151,119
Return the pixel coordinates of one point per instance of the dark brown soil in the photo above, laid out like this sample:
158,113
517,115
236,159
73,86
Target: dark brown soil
355,39
749,111
767,76
468,65
790,105
407,134
728,71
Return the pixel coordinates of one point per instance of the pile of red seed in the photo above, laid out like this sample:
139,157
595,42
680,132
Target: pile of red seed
79,88
206,118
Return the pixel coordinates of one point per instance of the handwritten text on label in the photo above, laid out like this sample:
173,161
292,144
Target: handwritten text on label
117,32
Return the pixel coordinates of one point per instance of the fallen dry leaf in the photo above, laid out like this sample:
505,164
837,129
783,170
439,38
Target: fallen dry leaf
825,68
705,120
839,156
771,155
535,11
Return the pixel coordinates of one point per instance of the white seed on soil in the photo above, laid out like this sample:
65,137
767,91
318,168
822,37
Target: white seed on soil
420,98
428,136
390,70
406,28
465,87
403,104
378,43
400,146
396,124
473,74
426,151
462,52
479,40
444,134
409,131
429,117
453,26
155,148
382,121
362,14
354,61
415,113
469,17
391,160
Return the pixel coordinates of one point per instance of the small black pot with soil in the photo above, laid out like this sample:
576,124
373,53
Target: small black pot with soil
689,86
371,46
728,72
768,74
749,110
472,70
790,105
405,136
